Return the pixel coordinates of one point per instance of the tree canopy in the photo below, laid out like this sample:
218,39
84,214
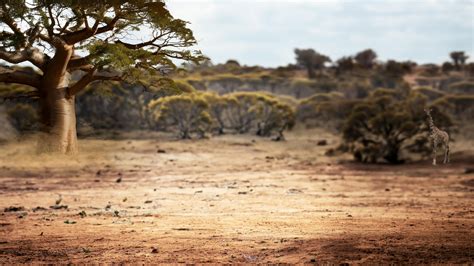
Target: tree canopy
108,40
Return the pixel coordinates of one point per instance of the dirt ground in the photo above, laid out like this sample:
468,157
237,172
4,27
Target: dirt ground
231,199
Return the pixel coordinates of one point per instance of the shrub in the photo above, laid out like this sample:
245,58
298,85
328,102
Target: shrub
430,93
462,87
328,110
217,108
185,114
274,116
23,117
385,124
242,112
459,106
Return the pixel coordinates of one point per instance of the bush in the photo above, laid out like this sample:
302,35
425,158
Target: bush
430,93
185,114
459,106
328,110
217,108
274,116
242,111
387,123
462,87
23,117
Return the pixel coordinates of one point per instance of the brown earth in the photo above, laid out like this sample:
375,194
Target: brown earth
231,199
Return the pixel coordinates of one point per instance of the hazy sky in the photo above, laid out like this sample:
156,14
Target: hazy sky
266,32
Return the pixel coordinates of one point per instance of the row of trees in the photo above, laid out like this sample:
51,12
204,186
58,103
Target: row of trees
314,62
197,113
383,127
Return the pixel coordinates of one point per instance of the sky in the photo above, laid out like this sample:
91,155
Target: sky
265,32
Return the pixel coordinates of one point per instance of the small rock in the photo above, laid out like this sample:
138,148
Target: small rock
98,173
469,171
58,207
322,142
154,250
119,180
39,209
161,151
387,189
14,209
148,201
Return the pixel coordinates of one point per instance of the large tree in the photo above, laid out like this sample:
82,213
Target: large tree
103,40
459,59
366,58
311,60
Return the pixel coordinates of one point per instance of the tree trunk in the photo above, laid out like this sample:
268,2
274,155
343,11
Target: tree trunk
58,119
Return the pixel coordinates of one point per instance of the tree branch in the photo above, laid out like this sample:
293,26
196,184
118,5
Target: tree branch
20,77
7,19
26,95
32,55
80,63
87,32
88,78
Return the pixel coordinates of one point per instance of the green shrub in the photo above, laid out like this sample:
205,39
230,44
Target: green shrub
462,87
185,114
387,123
274,117
242,111
23,117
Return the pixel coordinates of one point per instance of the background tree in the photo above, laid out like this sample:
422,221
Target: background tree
447,67
185,114
99,40
386,123
23,117
311,60
459,59
242,111
344,64
217,107
366,58
274,117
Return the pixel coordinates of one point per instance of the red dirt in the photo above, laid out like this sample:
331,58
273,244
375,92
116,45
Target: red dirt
230,199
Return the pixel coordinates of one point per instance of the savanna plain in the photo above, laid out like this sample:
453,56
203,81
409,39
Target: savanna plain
146,197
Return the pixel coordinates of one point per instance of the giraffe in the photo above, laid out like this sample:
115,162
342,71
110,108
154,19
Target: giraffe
437,137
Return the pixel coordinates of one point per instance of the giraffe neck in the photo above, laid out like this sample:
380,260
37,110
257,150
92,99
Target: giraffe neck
431,123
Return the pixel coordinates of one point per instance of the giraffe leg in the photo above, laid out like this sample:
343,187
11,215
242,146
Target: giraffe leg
434,154
447,153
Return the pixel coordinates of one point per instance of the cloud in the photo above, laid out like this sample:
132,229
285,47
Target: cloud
266,32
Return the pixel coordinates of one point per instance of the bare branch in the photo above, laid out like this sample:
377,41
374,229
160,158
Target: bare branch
7,19
53,21
87,32
32,55
88,78
20,77
147,43
25,95
80,63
